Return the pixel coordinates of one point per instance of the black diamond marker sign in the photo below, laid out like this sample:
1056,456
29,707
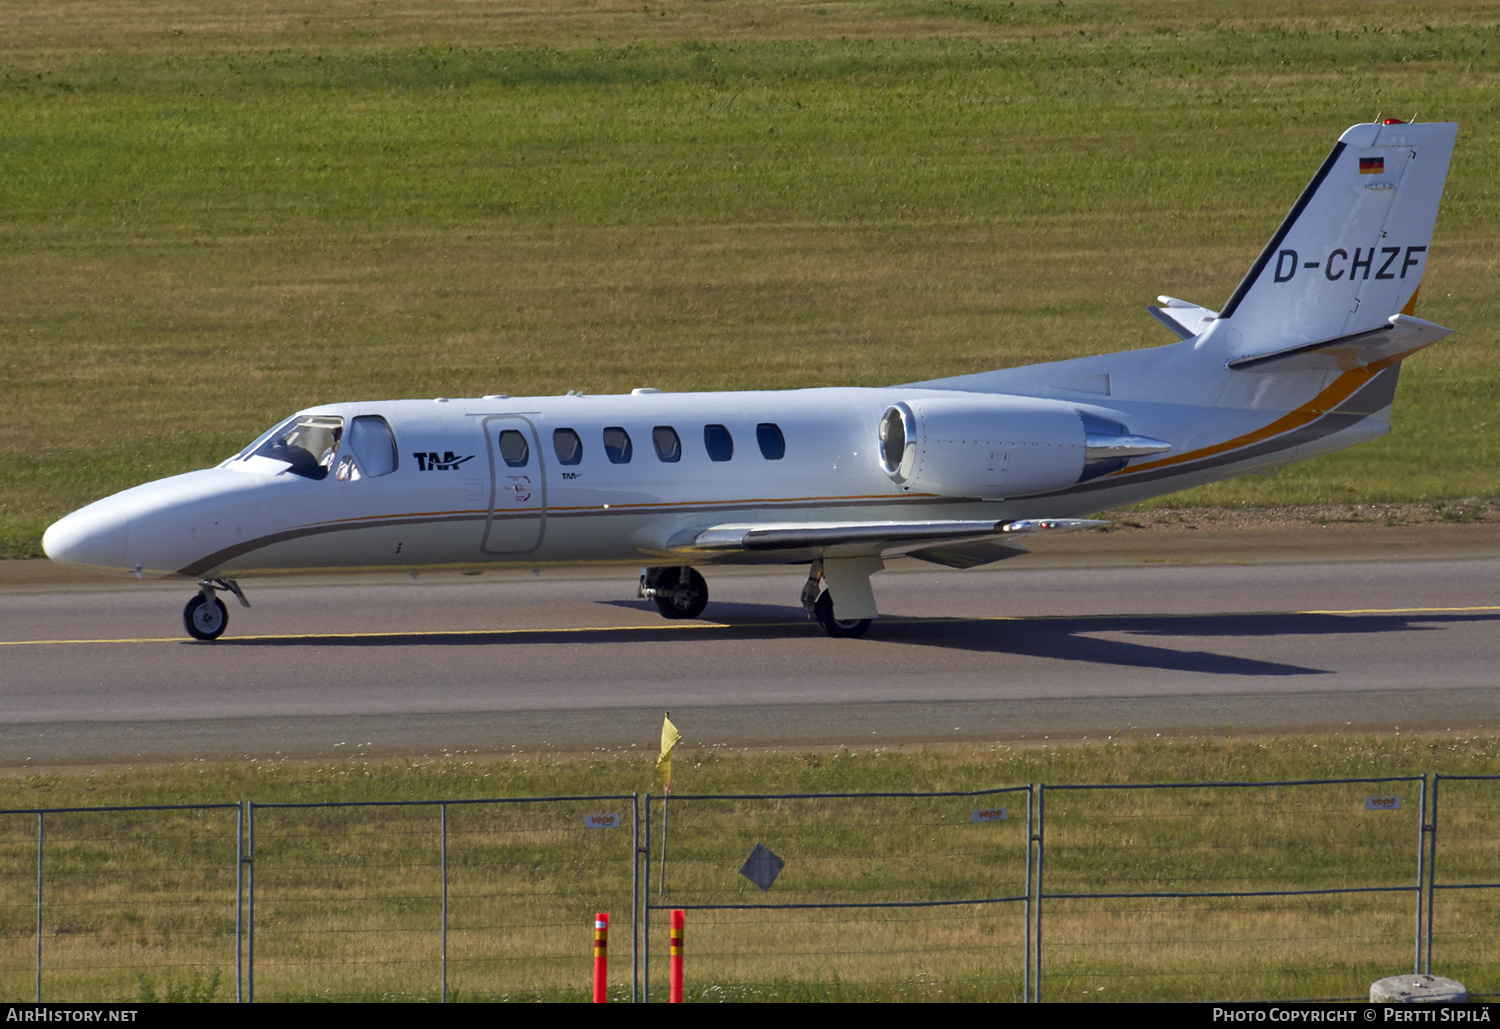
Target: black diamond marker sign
762,867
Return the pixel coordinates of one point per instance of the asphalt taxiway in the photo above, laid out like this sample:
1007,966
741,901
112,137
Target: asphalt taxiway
1064,644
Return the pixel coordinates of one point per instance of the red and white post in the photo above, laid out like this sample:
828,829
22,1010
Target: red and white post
674,996
601,958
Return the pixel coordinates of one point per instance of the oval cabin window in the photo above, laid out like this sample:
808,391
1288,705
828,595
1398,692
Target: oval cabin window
617,445
668,446
568,446
718,442
772,442
514,450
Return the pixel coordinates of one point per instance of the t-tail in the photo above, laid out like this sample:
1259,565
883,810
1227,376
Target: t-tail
1341,274
1304,357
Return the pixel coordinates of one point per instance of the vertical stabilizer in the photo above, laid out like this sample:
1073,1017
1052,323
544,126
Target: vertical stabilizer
1351,252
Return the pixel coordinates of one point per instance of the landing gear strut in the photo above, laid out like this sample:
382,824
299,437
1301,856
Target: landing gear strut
851,578
677,592
205,616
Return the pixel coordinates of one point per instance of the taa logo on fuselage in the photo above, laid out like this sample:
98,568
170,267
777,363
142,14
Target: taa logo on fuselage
432,462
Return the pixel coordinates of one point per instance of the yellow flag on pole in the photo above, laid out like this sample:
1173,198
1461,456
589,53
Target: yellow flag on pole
669,738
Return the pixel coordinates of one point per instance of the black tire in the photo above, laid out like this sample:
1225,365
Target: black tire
675,599
204,620
839,629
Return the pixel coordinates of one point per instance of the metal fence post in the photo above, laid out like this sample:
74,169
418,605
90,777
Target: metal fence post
239,902
250,901
1041,830
646,919
1028,908
1416,961
1431,828
635,896
443,820
40,824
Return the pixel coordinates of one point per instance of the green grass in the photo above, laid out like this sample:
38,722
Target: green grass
209,219
348,900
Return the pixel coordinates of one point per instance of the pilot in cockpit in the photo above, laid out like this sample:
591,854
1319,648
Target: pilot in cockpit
326,460
309,444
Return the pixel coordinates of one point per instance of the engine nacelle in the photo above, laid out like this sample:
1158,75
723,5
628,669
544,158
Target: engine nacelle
971,446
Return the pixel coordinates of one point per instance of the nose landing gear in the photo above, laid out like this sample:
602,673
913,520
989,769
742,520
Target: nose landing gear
205,616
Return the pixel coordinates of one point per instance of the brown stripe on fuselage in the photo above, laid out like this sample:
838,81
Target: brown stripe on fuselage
211,561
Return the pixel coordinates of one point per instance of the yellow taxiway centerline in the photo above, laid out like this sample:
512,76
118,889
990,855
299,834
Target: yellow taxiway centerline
690,626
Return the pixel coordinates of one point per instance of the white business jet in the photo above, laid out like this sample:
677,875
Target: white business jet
1302,360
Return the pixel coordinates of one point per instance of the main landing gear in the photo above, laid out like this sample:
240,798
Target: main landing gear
205,616
820,605
677,592
680,592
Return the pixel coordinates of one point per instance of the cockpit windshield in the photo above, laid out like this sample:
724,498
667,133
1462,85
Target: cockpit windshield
309,443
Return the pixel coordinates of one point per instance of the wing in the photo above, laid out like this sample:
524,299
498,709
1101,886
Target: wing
959,543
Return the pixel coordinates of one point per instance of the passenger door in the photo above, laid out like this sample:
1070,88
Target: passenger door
518,488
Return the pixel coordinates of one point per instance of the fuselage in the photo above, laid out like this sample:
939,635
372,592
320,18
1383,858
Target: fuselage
474,483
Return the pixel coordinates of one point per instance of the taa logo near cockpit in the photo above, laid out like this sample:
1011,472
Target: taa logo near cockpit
431,462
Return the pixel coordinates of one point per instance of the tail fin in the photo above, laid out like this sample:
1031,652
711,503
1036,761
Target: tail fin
1351,252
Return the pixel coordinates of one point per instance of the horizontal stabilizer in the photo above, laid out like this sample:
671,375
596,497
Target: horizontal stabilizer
878,537
1183,318
1401,335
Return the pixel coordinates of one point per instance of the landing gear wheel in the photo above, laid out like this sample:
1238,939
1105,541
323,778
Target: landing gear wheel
838,628
677,599
205,617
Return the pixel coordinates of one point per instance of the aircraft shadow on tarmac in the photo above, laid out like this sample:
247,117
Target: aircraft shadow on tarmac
1068,638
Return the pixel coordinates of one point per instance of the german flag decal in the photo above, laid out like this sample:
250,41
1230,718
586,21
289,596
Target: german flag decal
1372,165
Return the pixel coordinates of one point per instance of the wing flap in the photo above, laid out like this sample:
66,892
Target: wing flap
886,538
969,555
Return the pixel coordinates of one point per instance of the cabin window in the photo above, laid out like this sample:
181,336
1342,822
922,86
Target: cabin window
568,446
617,445
308,444
772,442
718,442
513,448
668,446
373,445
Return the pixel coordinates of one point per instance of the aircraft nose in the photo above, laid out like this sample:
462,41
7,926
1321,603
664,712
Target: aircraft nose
94,537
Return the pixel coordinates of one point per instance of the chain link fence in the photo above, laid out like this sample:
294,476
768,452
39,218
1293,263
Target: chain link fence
1231,891
845,896
121,903
438,900
1223,891
1463,928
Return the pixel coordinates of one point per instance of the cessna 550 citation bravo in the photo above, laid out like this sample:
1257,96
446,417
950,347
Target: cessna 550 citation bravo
1302,360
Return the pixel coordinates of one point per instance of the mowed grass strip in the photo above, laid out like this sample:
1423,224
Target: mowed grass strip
348,901
210,218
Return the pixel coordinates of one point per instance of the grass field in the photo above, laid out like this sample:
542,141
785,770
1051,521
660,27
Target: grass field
212,216
349,901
